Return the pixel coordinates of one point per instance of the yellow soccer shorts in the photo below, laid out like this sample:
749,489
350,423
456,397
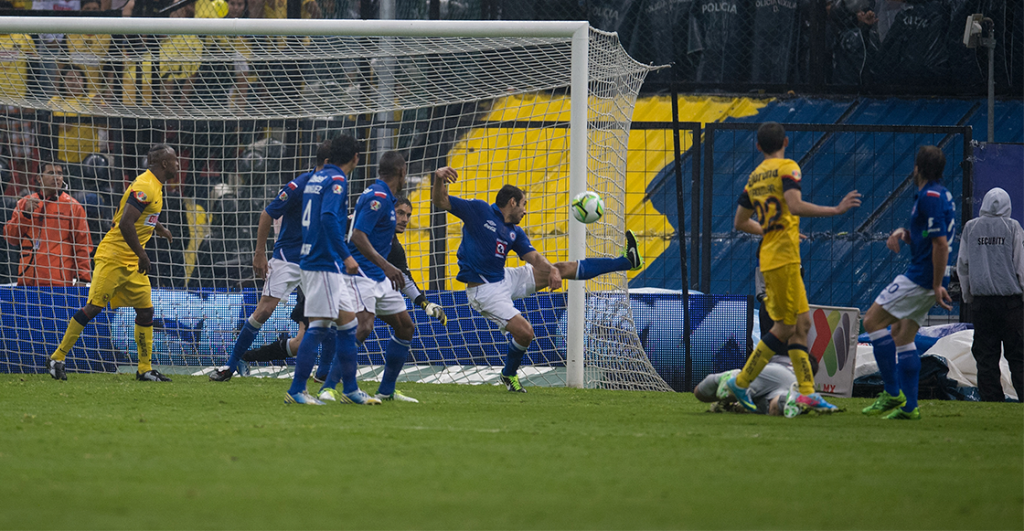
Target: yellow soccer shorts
119,285
785,294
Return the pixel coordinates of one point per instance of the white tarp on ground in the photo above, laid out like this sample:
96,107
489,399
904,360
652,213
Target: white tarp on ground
956,350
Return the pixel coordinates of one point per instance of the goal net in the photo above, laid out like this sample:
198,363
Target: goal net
246,109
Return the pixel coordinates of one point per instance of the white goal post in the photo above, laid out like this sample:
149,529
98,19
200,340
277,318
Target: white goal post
508,74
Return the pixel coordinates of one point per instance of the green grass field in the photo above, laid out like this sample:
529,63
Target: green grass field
106,452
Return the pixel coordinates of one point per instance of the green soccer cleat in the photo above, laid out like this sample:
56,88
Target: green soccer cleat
512,383
899,414
632,252
328,394
884,403
723,391
791,409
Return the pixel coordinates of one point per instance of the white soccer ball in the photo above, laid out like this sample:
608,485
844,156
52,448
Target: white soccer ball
587,207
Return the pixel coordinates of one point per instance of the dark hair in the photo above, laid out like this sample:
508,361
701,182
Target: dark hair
390,165
930,162
343,149
403,201
55,164
83,2
155,153
771,136
508,192
322,152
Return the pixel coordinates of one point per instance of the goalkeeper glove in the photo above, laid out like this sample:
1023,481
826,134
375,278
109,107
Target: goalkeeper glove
435,311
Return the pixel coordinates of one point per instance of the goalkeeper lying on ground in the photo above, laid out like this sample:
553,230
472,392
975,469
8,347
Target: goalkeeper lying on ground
774,392
286,347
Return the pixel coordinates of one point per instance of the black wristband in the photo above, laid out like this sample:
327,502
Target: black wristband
420,301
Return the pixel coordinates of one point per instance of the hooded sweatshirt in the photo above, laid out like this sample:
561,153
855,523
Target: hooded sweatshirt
991,260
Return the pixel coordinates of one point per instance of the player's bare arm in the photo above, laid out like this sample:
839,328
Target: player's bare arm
897,236
439,188
547,275
362,242
127,228
940,256
163,232
799,207
259,257
744,222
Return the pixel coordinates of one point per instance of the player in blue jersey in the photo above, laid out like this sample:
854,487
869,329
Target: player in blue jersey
324,255
489,233
282,271
905,302
378,282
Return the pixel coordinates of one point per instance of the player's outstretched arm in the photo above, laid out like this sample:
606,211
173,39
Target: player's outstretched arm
744,222
259,257
799,207
897,236
439,188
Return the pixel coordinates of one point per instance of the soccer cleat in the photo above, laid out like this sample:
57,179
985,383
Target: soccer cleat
723,391
815,402
791,409
56,369
632,252
899,414
359,397
512,383
884,403
302,398
397,396
329,394
151,376
740,394
222,374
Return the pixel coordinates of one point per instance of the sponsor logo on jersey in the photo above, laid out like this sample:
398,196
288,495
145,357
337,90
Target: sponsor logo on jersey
152,219
374,205
141,196
336,188
283,196
796,175
512,235
489,225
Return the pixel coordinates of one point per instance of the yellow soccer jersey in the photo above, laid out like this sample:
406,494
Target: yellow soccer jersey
764,195
146,191
77,139
15,51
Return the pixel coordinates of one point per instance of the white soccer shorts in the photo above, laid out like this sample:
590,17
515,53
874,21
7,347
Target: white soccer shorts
377,297
282,278
327,293
494,301
904,299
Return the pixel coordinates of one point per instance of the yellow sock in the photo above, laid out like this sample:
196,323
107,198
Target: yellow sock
144,341
70,338
802,367
762,355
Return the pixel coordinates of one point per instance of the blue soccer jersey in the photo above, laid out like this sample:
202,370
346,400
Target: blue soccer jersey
324,218
287,207
374,216
933,215
486,241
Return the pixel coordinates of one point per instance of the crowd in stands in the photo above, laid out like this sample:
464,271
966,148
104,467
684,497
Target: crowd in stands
870,42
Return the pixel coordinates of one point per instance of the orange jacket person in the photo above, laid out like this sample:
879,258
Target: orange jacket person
51,229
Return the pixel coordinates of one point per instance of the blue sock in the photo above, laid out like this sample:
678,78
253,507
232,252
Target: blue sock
323,370
589,268
345,361
315,336
910,373
514,358
244,341
885,356
395,355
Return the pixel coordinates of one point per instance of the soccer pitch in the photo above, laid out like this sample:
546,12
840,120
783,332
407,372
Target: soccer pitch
102,451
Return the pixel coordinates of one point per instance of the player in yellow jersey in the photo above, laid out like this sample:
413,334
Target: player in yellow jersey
773,194
119,277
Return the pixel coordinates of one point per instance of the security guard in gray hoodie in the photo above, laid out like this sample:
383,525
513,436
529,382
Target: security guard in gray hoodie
991,269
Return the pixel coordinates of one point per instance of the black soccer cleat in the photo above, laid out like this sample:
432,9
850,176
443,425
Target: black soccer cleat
56,369
151,376
221,375
270,352
512,383
632,252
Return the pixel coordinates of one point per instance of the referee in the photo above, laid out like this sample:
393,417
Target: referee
991,269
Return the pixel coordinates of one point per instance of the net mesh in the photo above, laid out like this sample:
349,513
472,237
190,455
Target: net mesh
246,115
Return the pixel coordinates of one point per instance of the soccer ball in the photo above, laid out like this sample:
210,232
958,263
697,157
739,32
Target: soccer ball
587,207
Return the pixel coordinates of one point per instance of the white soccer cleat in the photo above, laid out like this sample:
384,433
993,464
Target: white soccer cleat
397,396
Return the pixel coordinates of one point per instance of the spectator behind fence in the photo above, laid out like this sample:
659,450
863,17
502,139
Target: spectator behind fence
856,43
77,135
991,269
50,46
779,36
914,50
16,49
89,51
51,229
